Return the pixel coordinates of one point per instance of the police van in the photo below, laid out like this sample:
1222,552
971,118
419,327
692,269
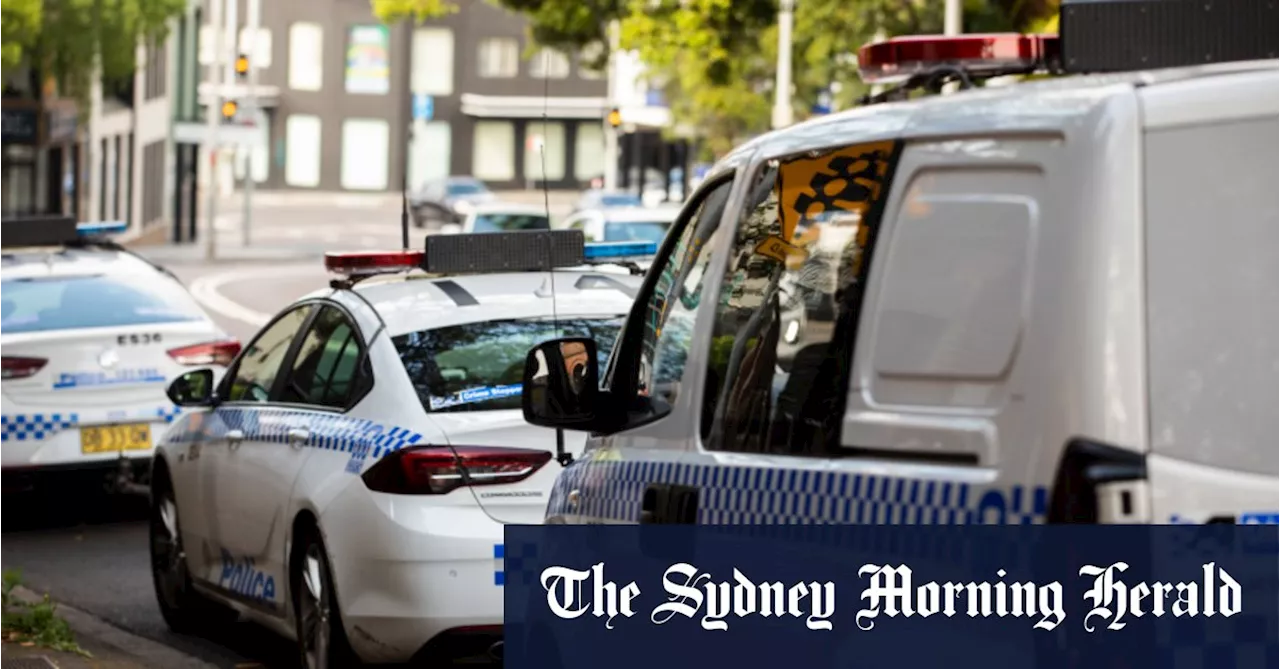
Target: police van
1053,301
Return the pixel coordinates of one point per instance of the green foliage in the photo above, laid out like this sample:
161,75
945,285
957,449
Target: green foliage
393,11
18,19
36,623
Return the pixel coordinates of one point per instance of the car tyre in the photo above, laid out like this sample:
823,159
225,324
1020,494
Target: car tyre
183,608
322,641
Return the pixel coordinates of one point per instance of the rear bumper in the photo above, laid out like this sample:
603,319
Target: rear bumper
84,476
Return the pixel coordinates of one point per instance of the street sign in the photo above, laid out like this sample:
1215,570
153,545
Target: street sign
424,107
228,134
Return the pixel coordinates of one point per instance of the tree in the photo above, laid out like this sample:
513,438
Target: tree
63,39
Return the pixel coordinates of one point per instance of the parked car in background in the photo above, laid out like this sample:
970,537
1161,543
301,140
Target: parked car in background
501,217
623,224
597,198
448,200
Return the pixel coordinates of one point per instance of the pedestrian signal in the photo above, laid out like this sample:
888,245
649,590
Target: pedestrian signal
242,65
229,109
615,117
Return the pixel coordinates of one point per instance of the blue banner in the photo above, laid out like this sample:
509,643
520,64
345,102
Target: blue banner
1094,597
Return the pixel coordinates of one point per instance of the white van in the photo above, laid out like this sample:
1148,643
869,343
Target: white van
1049,302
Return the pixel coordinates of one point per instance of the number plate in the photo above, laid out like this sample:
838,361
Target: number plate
111,438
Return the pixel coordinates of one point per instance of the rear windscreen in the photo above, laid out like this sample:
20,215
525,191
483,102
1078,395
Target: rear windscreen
636,232
68,302
510,222
480,366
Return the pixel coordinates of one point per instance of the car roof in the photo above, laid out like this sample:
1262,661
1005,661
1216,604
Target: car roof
508,208
413,302
1045,105
59,261
640,214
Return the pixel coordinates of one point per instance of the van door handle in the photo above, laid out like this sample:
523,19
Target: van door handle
298,437
234,438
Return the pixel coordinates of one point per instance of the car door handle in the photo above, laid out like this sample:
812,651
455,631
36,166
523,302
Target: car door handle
298,436
234,437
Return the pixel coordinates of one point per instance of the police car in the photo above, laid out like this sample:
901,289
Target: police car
91,333
347,482
1054,301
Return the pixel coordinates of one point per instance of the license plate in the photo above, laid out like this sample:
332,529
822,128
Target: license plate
112,438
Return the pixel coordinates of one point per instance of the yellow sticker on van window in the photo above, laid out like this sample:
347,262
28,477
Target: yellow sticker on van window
776,248
846,180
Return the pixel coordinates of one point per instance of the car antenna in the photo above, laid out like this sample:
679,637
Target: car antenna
564,457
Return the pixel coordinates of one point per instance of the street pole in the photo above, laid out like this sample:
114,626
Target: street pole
213,114
254,11
952,24
610,132
782,94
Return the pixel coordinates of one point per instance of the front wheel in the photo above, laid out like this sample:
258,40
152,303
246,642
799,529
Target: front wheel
183,609
322,643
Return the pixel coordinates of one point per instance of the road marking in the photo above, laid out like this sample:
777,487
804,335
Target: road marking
205,290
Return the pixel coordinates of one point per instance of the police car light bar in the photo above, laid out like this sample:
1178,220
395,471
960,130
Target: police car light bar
619,251
492,252
36,231
897,59
367,263
101,228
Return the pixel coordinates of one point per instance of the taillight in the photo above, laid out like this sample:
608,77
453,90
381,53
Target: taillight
20,368
436,470
220,352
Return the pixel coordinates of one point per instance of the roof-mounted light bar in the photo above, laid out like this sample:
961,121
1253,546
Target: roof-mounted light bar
101,228
369,263
619,251
492,252
896,60
36,231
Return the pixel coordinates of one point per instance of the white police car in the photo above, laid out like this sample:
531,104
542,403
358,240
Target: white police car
347,482
91,333
1054,301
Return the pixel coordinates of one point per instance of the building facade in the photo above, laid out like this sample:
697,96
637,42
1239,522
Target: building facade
348,103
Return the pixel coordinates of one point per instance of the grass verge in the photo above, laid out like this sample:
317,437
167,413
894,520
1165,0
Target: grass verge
35,624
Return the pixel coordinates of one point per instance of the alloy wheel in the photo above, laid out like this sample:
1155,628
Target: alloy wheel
168,562
314,609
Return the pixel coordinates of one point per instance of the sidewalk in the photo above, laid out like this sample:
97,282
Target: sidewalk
110,647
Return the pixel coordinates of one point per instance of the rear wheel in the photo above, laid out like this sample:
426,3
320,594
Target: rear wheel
183,609
322,643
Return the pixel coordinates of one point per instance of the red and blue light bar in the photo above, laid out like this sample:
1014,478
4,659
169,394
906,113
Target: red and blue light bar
897,59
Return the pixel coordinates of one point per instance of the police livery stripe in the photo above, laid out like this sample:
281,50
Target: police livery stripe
359,436
499,567
612,490
39,426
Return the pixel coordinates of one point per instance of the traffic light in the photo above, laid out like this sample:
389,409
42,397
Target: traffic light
242,66
229,109
615,117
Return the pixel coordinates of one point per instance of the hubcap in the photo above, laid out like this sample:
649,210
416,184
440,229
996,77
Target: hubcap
168,563
314,610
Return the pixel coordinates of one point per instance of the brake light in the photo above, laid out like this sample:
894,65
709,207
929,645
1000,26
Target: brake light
15,367
364,263
435,470
220,352
898,58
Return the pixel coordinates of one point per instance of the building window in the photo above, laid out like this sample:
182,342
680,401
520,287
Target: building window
364,154
433,61
306,71
120,166
588,54
499,57
493,152
544,151
550,64
588,151
430,153
155,71
128,180
368,69
153,181
302,151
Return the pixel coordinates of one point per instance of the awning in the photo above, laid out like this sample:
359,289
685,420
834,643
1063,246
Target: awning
267,96
532,106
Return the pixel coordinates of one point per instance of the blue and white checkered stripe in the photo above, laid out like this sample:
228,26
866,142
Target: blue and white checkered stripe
331,432
499,566
40,426
736,495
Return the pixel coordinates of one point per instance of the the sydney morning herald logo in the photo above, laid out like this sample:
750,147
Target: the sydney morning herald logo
891,591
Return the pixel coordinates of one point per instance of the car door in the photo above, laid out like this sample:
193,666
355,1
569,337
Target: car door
248,474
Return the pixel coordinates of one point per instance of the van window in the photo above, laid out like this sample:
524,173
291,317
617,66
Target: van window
787,313
668,326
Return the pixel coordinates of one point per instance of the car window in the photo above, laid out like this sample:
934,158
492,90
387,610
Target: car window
620,200
637,231
510,222
466,188
324,369
480,366
93,301
786,317
670,310
259,364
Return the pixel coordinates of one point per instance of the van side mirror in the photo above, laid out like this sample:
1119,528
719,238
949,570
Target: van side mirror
562,384
193,389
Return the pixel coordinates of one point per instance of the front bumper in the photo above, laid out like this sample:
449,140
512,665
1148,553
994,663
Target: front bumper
411,570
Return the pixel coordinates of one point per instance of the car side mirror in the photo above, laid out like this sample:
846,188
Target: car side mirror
193,389
562,384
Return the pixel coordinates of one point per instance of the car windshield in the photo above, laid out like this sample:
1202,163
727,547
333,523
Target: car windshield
480,366
640,231
94,301
466,188
619,200
510,222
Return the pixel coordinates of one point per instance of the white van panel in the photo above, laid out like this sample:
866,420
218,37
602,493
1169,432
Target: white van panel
1183,492
1211,246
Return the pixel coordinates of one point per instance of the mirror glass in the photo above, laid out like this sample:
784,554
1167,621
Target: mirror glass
561,382
194,388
